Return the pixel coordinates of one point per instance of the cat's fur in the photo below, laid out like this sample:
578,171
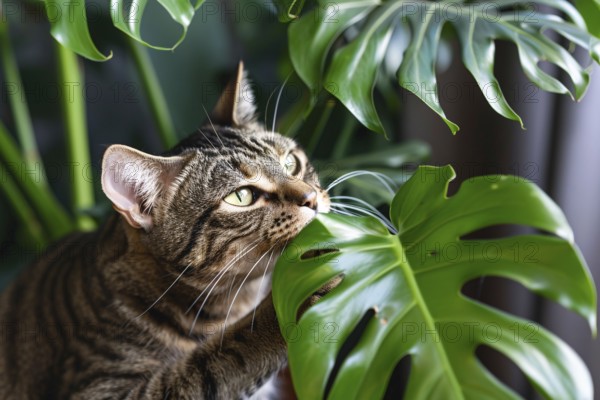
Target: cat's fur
102,315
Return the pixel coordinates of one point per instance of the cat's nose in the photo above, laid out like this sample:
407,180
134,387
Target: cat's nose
303,197
309,200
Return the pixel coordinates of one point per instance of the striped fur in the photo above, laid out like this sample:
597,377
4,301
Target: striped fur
102,315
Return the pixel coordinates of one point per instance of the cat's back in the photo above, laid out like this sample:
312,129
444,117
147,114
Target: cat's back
67,331
36,315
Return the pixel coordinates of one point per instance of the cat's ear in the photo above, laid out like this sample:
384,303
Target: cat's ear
236,105
134,181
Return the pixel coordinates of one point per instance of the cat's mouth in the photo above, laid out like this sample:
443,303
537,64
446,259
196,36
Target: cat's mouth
323,203
308,214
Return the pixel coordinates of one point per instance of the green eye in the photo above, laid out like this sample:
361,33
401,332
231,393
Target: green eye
241,197
291,165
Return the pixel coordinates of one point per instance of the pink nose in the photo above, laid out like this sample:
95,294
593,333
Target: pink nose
309,200
303,197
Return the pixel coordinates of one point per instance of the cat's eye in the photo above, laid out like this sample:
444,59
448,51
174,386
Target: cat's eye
241,197
291,165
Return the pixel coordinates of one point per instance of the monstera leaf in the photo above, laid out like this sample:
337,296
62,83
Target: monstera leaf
590,10
69,25
405,291
352,72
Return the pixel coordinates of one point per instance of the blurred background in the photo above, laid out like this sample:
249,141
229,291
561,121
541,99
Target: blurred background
559,150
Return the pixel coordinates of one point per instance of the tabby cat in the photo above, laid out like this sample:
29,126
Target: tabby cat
160,303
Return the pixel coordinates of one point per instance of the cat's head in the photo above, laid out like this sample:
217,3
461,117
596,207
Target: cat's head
230,187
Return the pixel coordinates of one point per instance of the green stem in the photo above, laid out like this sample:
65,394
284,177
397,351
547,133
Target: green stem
23,210
52,214
73,104
290,122
18,102
154,93
343,141
318,132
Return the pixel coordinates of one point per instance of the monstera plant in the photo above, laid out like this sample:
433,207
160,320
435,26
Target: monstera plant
365,28
407,285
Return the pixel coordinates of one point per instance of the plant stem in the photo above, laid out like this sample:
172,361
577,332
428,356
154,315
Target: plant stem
73,104
18,102
52,214
289,123
154,93
341,144
23,210
318,132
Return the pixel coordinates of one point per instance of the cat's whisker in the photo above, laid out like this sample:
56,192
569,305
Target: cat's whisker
213,146
165,292
261,284
277,101
259,291
359,210
242,253
220,275
224,270
368,212
267,106
193,325
357,200
231,282
342,212
213,127
239,289
216,133
207,139
386,181
369,207
339,210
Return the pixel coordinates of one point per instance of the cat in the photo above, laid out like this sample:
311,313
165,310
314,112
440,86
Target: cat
161,301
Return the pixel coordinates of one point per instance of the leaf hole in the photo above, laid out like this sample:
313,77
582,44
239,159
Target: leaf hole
503,294
314,253
399,379
347,347
319,294
155,14
499,231
505,370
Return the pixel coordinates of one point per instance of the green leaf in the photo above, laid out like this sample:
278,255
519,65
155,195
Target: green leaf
181,11
358,63
478,55
412,284
68,25
311,37
353,69
572,33
590,10
417,71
